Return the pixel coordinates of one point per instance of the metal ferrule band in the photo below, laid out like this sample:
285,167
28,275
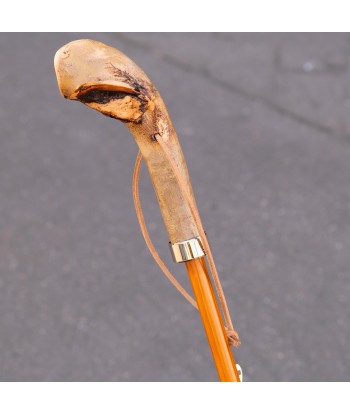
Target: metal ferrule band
187,250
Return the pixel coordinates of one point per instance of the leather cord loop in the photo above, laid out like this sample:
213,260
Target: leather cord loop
232,335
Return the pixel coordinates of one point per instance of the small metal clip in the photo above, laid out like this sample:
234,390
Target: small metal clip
187,250
240,372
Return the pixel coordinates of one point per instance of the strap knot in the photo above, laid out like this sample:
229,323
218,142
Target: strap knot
233,338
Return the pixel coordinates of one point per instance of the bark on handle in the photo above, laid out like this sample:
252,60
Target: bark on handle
104,79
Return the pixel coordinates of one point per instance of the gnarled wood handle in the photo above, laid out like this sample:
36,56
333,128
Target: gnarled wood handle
104,79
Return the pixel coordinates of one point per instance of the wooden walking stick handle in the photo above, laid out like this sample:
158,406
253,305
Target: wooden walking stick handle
104,79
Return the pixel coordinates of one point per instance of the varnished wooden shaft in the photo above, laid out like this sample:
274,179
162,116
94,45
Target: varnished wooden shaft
212,320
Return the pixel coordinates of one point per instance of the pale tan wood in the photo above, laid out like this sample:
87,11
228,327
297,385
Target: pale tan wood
104,79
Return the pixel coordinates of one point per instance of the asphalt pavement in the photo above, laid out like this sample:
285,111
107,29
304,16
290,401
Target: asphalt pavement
264,122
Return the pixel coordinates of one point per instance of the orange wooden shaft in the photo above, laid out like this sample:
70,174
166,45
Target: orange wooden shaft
212,320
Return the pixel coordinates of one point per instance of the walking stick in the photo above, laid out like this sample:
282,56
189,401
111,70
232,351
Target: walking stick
105,79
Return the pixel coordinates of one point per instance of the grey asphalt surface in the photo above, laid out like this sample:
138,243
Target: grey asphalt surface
264,121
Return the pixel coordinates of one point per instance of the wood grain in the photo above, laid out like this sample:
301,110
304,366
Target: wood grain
106,80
